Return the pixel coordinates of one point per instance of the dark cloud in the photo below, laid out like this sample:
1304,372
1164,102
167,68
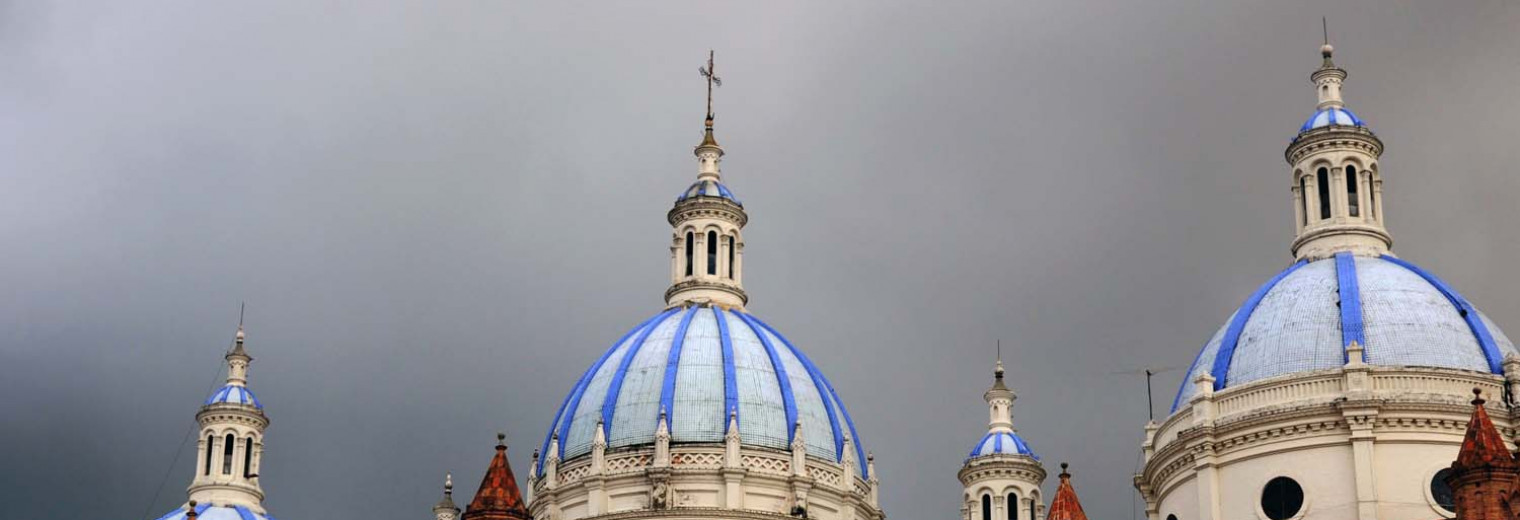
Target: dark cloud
440,214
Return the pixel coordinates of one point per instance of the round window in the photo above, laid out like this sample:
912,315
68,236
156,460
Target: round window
1282,498
1442,492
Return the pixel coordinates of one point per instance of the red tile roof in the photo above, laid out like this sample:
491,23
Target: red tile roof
498,498
1483,447
1065,506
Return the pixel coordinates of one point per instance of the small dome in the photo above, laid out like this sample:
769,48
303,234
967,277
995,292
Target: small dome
1331,116
234,394
697,364
707,188
1001,443
210,512
1304,318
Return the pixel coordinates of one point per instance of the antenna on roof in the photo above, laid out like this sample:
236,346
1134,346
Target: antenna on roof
1150,402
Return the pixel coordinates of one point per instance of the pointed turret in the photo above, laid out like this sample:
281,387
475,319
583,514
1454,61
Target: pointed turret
498,497
1485,477
1065,506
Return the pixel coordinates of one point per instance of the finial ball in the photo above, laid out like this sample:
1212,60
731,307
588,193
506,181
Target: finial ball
1478,397
1326,50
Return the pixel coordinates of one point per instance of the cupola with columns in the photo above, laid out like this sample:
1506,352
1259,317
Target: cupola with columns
1337,188
1001,477
707,246
230,448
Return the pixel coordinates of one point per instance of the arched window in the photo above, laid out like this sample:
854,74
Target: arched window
1303,193
731,245
1013,506
712,252
1354,201
689,245
210,455
1171,517
986,507
1442,492
227,454
1323,179
248,458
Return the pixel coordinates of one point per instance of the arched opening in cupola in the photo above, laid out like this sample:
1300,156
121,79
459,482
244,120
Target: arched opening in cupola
689,249
712,253
227,454
1322,177
1013,506
986,507
210,453
248,458
1354,201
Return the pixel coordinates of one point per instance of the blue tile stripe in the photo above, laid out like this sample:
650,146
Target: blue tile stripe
1469,314
788,399
829,401
730,381
672,365
1001,442
1221,368
609,402
1352,328
244,513
997,443
1177,401
573,401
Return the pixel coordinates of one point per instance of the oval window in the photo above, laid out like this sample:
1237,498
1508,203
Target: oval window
1282,498
1442,492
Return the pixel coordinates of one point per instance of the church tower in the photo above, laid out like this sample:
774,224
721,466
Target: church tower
1002,476
1337,190
230,447
445,509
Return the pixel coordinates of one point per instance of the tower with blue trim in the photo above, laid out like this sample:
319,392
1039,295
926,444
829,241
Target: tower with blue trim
1337,388
1001,476
230,448
703,406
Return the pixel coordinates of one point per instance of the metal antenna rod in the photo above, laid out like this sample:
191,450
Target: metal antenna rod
1325,24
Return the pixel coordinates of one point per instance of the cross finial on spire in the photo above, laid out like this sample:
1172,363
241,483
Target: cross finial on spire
711,73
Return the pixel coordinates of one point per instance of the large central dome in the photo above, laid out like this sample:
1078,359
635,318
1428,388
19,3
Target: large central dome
1303,319
697,364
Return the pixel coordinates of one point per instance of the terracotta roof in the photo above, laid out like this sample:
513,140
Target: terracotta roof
1065,506
498,498
1483,447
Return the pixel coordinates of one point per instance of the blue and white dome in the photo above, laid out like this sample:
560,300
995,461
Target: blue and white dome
234,394
708,188
210,512
1001,443
698,363
1303,319
1331,116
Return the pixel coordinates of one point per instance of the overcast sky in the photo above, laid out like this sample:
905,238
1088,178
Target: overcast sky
440,213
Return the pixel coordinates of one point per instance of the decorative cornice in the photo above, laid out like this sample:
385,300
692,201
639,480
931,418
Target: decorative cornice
1330,138
703,206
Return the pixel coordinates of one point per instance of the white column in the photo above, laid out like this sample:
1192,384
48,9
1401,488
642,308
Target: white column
1311,185
1364,193
200,457
1298,208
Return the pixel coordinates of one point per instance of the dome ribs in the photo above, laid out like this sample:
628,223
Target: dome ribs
573,401
1469,314
672,363
1352,330
789,399
1221,366
730,377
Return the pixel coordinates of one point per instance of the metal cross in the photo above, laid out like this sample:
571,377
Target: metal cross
712,81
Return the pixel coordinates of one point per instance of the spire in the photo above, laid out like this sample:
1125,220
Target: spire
238,358
999,399
1483,446
498,497
706,252
445,509
1328,77
1065,506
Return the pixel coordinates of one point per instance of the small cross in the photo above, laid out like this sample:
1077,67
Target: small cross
713,80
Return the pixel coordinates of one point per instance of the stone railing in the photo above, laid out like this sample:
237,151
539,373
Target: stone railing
1255,396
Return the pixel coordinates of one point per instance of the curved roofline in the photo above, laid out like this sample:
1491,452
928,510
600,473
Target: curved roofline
1020,447
1353,327
768,338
